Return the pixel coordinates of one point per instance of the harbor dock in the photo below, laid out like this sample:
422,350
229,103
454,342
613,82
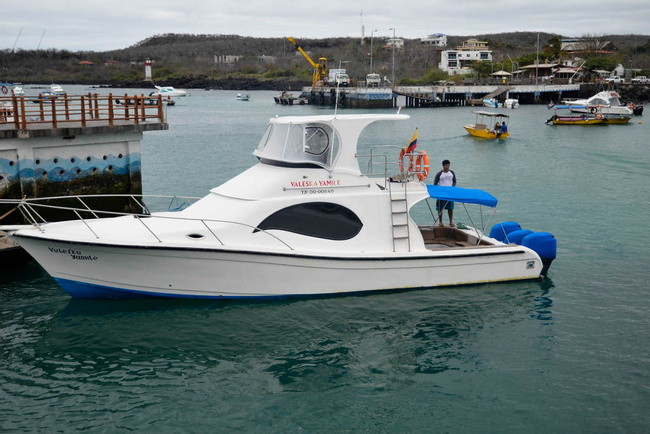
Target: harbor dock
444,95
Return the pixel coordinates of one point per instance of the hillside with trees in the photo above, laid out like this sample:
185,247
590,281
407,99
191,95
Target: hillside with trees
192,61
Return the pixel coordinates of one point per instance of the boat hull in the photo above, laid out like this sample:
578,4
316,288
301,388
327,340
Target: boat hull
570,121
88,270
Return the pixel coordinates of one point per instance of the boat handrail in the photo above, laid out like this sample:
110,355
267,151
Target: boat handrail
389,169
28,208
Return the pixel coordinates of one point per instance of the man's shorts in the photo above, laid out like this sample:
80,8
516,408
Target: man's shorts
444,204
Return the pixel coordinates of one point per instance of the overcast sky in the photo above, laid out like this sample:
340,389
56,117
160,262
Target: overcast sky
92,25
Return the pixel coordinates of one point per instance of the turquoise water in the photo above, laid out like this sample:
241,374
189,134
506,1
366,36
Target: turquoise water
569,354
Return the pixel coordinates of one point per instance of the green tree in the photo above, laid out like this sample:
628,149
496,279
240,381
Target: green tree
603,63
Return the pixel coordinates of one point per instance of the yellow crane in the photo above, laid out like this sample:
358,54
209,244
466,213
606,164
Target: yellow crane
320,68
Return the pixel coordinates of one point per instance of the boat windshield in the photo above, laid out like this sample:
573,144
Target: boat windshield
298,144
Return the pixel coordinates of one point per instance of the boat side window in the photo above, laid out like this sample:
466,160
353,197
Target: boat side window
325,220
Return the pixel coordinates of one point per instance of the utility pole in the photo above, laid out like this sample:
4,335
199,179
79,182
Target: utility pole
372,34
393,29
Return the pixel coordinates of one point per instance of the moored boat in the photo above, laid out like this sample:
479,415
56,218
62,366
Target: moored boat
242,97
329,218
608,102
287,98
583,115
492,102
489,125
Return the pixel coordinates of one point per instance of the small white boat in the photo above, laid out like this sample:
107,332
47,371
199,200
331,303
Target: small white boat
169,92
314,216
242,97
8,89
511,103
56,89
492,102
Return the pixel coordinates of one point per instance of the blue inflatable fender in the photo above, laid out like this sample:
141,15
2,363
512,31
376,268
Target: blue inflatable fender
517,236
500,230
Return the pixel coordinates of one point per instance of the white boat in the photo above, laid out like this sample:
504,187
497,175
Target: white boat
56,89
492,102
511,103
608,102
169,91
8,89
242,97
18,89
305,220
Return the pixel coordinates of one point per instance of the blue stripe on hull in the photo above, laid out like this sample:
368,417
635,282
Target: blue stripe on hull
88,290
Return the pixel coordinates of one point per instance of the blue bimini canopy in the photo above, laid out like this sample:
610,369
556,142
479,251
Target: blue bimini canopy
463,195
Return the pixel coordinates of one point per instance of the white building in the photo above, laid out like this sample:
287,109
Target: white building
398,43
226,58
437,40
459,61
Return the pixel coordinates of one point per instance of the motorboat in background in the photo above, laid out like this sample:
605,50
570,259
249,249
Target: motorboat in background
569,115
315,216
287,98
511,103
57,90
489,125
492,102
607,101
243,97
168,93
586,115
9,89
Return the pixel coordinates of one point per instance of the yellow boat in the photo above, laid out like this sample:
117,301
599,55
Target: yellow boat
585,115
489,125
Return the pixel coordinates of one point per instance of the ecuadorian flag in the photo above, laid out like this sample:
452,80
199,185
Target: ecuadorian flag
413,143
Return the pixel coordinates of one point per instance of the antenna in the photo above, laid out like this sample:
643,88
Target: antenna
39,42
363,30
17,37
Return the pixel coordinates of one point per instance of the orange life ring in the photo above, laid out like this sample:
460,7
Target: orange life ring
5,90
419,164
599,115
401,161
422,166
632,105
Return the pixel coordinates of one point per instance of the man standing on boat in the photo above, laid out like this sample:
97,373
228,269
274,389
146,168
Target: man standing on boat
447,178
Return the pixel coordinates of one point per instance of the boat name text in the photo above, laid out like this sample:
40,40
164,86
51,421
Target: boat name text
74,254
307,184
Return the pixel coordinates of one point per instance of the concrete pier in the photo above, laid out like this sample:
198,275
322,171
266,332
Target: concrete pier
72,145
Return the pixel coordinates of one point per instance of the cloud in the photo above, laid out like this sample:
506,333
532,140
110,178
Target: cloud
100,26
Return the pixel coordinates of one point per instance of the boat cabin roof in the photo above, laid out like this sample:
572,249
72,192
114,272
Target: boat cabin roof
490,114
327,141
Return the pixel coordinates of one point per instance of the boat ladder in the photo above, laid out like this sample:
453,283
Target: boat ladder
399,216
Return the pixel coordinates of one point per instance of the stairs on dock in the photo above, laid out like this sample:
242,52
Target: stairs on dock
499,91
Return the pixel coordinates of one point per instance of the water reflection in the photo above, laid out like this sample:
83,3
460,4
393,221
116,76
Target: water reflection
118,357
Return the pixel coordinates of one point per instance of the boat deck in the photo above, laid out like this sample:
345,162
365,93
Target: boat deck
445,237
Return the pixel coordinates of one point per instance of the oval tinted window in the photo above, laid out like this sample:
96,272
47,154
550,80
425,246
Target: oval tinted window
316,219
